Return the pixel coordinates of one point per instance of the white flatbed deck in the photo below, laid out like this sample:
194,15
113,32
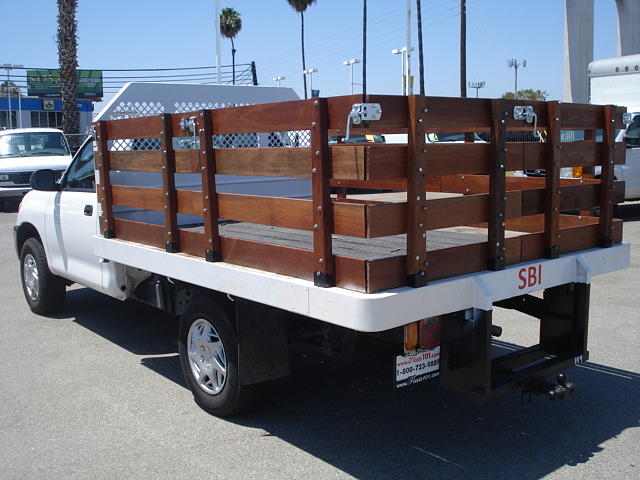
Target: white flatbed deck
367,312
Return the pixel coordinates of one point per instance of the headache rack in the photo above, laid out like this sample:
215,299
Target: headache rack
361,243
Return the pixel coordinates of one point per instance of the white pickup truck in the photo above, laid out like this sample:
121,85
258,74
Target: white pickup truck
256,285
25,150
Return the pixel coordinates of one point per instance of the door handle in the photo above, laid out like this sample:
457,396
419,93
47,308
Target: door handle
88,210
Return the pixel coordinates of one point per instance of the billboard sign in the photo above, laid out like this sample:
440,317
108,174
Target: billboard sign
46,84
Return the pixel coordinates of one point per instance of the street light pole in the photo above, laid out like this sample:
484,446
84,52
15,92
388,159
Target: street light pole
310,72
350,64
513,63
405,68
477,86
409,88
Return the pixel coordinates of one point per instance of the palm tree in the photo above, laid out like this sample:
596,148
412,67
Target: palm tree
68,61
300,6
230,25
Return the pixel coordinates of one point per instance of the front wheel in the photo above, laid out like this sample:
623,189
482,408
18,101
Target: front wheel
43,290
208,347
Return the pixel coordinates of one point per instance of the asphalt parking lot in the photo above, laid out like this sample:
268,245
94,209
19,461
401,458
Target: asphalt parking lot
97,392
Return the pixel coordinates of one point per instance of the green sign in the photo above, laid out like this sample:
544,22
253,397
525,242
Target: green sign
46,83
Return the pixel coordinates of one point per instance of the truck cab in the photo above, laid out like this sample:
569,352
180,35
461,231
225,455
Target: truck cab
614,81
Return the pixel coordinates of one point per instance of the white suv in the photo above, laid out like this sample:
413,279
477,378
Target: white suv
25,150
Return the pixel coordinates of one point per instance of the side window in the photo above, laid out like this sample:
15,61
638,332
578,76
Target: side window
81,173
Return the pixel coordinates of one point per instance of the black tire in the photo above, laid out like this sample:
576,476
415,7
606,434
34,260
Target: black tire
233,398
45,293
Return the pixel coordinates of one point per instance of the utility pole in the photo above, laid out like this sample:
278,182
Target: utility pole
364,51
513,63
279,79
477,86
216,20
350,64
463,48
420,47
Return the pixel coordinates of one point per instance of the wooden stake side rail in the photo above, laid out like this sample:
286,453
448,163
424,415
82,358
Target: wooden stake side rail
369,162
488,197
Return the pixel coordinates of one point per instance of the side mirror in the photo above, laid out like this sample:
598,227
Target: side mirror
44,180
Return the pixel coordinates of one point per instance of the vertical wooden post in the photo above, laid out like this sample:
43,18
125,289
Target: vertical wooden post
552,183
497,186
169,185
606,182
204,126
324,276
107,224
416,193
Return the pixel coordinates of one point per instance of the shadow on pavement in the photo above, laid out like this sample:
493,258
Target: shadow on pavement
342,410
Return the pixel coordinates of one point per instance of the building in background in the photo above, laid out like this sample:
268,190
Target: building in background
578,42
29,112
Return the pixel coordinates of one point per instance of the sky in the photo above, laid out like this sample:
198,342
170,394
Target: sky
164,34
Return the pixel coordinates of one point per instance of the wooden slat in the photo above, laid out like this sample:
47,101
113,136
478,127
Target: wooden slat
576,116
172,242
574,154
552,181
270,162
266,117
349,161
572,239
416,209
572,197
210,213
137,197
349,218
322,216
394,114
366,162
386,273
497,187
607,174
446,114
103,168
192,242
140,127
140,232
539,107
294,262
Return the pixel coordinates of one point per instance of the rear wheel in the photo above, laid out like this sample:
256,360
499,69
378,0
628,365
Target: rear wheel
208,348
43,290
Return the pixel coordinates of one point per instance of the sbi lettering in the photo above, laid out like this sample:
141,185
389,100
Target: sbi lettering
530,277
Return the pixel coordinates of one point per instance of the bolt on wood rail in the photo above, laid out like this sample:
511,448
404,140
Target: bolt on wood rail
369,244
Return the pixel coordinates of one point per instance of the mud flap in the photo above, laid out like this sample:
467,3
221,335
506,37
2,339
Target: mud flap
263,353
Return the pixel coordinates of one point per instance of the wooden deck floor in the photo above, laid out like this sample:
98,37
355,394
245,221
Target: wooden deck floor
360,248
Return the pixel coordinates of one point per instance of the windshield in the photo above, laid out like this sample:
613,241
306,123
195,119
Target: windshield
633,132
32,144
450,137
